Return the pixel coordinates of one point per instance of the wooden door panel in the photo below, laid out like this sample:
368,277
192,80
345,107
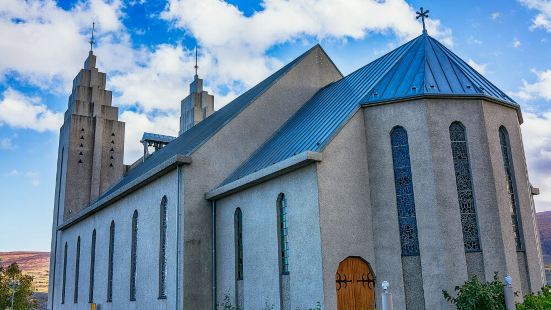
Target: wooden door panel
355,284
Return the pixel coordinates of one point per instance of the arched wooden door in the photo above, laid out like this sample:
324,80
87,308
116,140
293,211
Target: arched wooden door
355,283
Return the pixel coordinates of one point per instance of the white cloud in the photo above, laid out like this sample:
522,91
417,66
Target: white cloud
44,45
239,43
495,15
516,43
13,173
536,132
541,88
481,68
20,111
6,144
543,18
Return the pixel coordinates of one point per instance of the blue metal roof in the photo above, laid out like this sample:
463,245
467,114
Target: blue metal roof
429,68
422,62
147,136
193,138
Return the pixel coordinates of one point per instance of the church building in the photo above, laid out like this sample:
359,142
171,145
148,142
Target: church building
311,187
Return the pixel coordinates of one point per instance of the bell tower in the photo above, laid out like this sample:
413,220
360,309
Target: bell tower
198,105
91,143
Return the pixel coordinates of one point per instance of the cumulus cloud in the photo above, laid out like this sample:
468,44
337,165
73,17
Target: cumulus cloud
541,88
481,68
516,43
536,132
42,44
495,15
20,111
239,43
543,18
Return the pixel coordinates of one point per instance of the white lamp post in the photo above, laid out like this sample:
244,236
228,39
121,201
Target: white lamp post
508,293
386,297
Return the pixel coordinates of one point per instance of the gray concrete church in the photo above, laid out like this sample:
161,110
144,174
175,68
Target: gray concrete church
309,187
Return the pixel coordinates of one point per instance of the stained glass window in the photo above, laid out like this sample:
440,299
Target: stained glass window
238,230
511,185
133,249
64,275
77,271
463,178
282,231
92,267
110,266
403,183
162,247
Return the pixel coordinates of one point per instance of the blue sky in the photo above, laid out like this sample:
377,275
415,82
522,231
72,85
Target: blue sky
146,48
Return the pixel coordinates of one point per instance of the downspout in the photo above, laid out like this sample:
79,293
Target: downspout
213,202
178,234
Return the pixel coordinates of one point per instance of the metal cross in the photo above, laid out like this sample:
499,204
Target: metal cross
92,40
423,14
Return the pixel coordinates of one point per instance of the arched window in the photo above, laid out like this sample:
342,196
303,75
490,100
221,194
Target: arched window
92,267
404,192
110,266
465,194
77,271
133,249
64,275
238,228
162,247
282,227
511,185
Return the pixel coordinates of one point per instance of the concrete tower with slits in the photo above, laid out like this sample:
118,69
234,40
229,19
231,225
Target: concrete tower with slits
91,147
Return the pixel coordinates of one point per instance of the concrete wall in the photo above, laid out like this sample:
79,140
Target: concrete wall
494,117
435,267
260,242
229,148
345,210
147,202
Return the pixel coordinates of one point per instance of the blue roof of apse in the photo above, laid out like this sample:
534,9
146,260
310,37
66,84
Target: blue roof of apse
422,62
429,68
190,140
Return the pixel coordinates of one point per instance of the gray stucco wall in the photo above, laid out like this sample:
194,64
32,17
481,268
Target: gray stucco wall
147,201
345,211
260,242
230,147
494,117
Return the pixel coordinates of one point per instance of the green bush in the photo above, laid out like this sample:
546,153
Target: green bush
477,295
539,301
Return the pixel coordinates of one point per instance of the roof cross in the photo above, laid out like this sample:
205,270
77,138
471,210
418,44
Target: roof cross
423,14
92,39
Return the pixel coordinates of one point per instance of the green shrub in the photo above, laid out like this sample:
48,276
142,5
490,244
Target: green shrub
477,295
539,301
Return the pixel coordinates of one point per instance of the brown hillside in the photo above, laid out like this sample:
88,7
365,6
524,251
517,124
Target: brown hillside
35,264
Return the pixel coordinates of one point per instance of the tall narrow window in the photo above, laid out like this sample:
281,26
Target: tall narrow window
77,271
282,234
465,194
238,228
511,185
133,250
64,275
92,267
162,248
404,192
110,266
